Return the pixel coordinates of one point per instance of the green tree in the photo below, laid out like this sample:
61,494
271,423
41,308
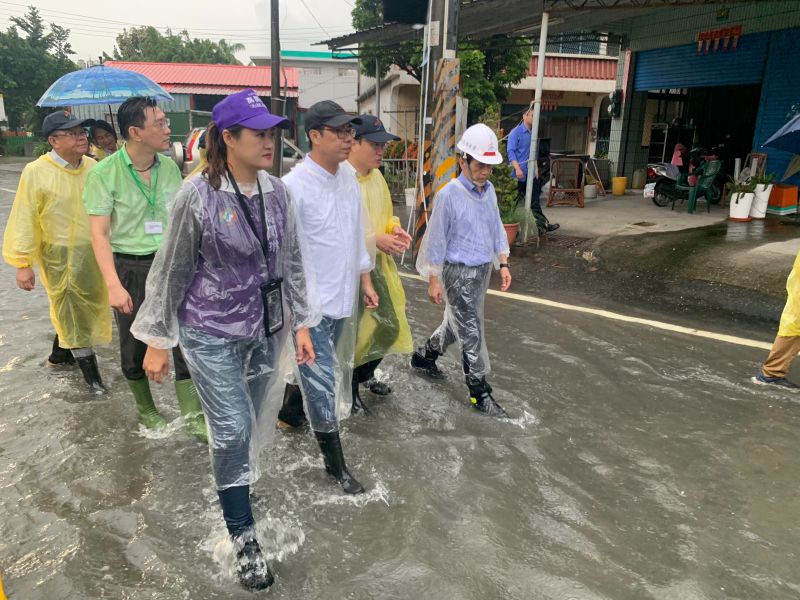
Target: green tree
32,56
489,66
147,44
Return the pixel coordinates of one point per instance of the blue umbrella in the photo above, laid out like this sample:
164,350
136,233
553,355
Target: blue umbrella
787,138
100,85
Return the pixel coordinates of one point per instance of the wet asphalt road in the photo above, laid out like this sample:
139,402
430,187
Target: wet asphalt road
638,464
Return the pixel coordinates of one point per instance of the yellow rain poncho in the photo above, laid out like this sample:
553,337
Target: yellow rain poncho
48,226
790,319
384,330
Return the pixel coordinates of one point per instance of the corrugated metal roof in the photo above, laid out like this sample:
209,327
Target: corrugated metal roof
576,68
238,76
224,90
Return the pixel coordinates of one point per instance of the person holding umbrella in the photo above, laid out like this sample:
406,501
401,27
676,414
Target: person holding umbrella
126,197
48,226
103,138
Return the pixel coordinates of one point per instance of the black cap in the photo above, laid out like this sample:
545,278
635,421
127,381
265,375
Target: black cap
60,120
373,130
328,114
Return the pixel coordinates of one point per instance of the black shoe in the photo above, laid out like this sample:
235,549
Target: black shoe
550,227
251,567
331,447
60,357
480,396
378,388
292,414
424,360
91,374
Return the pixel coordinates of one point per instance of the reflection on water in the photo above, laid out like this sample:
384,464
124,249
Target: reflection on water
637,464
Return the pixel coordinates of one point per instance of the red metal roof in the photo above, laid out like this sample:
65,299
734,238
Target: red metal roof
576,68
210,79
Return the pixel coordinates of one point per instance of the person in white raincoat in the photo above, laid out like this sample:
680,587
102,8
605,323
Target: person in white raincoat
464,239
329,209
231,252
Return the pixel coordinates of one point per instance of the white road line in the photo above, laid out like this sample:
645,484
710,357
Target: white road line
607,314
8,190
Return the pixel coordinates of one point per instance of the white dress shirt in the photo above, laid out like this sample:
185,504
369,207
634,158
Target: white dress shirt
329,209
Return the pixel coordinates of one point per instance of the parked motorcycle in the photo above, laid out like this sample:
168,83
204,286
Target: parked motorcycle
667,184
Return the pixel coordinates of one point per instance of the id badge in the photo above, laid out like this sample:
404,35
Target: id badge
273,306
153,227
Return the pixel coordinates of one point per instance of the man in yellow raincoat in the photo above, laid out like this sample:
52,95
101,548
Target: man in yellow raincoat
383,330
48,226
787,342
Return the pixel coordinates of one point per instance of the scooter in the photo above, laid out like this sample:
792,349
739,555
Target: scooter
666,183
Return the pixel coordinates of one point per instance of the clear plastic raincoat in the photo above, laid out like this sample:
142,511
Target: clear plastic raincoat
48,226
204,291
462,242
790,318
340,238
385,329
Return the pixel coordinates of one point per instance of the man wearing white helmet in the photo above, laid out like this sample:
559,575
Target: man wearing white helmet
464,239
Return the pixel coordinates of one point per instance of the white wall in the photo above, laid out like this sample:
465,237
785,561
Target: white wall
335,80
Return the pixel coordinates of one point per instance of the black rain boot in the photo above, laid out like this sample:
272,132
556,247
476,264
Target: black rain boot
358,403
481,399
424,361
251,566
379,388
91,374
331,447
60,357
292,414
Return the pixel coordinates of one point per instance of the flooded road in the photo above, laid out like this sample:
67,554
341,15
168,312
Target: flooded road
639,464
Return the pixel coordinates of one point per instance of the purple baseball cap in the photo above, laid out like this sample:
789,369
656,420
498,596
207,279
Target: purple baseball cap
245,108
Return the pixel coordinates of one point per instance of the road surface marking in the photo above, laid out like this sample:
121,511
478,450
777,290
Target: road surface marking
8,190
607,314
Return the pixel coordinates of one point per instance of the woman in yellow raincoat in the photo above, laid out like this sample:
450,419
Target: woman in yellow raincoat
48,226
787,342
383,330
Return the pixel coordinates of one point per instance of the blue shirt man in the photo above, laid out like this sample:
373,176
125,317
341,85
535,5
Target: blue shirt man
519,151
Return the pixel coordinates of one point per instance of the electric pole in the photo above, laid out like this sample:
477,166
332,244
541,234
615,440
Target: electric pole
276,105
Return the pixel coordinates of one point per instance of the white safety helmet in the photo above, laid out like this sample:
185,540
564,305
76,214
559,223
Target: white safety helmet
480,142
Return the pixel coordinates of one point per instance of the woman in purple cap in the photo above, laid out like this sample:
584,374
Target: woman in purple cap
230,262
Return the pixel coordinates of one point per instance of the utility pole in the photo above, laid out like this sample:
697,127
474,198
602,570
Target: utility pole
377,87
533,163
275,84
443,87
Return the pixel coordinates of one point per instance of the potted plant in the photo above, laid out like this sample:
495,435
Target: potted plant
742,194
505,186
762,192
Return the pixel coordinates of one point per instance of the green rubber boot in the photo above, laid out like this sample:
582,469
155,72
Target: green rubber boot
148,415
191,410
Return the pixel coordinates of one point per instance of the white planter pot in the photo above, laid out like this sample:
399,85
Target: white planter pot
590,191
740,206
761,200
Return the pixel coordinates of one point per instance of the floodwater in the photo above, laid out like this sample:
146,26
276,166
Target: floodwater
639,464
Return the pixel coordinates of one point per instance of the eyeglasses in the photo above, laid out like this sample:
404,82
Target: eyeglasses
74,134
342,133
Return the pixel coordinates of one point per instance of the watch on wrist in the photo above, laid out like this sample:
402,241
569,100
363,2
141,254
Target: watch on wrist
505,265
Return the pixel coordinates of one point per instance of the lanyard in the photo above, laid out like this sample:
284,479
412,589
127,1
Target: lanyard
262,239
151,197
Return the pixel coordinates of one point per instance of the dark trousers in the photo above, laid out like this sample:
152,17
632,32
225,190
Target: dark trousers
536,205
132,272
236,509
365,372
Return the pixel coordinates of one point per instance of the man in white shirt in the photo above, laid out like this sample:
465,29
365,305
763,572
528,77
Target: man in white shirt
328,202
